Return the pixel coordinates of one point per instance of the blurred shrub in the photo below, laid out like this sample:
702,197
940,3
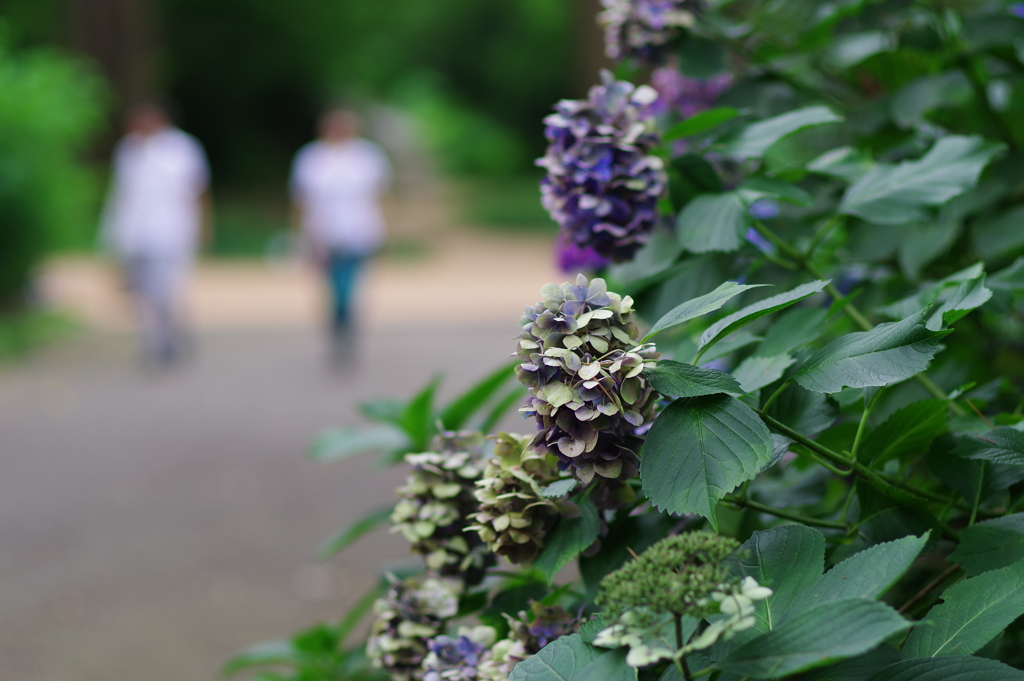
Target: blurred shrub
49,105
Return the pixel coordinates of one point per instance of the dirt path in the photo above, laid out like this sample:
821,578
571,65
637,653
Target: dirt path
150,526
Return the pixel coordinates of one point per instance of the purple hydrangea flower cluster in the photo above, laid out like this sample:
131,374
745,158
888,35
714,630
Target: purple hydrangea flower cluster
572,258
456,658
603,180
643,28
684,95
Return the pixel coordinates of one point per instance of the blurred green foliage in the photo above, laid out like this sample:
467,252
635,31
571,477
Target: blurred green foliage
49,106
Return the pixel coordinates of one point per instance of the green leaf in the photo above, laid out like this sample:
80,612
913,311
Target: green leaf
928,295
824,633
713,222
568,539
886,354
859,668
974,479
761,187
788,559
896,194
990,544
698,450
458,411
908,432
923,243
949,669
418,417
700,122
348,441
846,163
853,48
727,325
999,445
968,296
754,373
804,411
866,574
999,235
755,139
910,104
973,612
699,306
888,513
1009,279
558,489
793,329
676,379
570,659
266,653
367,523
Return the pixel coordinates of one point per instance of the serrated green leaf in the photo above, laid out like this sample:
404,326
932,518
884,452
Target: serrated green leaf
824,633
761,187
698,450
922,244
755,139
348,441
973,612
713,222
907,433
700,122
458,411
859,668
701,305
928,295
897,194
754,373
568,539
990,544
804,411
917,98
367,523
847,163
969,295
570,659
949,669
1009,279
558,489
788,559
886,354
889,513
866,574
676,379
1000,445
740,318
793,329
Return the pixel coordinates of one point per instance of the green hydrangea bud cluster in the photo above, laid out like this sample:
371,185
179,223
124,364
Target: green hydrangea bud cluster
514,516
413,612
676,575
435,503
528,633
583,366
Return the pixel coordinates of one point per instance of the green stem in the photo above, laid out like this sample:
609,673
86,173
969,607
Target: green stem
863,423
849,308
775,394
779,513
826,228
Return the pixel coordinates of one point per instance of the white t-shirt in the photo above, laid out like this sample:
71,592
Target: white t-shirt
337,186
152,208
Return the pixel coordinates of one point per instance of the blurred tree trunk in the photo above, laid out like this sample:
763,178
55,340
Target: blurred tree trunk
590,52
121,35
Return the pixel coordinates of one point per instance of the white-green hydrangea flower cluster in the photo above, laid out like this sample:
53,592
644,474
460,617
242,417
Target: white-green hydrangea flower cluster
435,504
409,616
514,515
583,365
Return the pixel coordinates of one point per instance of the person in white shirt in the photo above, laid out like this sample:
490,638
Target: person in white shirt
153,221
336,184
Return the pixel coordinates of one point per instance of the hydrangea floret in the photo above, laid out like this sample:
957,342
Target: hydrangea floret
679,576
603,179
457,658
583,364
413,612
643,28
528,633
514,515
435,504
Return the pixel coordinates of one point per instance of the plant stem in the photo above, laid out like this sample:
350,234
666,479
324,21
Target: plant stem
868,406
775,394
946,574
779,513
849,308
826,228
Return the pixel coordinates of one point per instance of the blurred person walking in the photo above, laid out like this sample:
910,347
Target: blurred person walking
336,184
154,219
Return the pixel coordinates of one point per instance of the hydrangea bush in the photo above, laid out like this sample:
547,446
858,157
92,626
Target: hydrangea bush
779,433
